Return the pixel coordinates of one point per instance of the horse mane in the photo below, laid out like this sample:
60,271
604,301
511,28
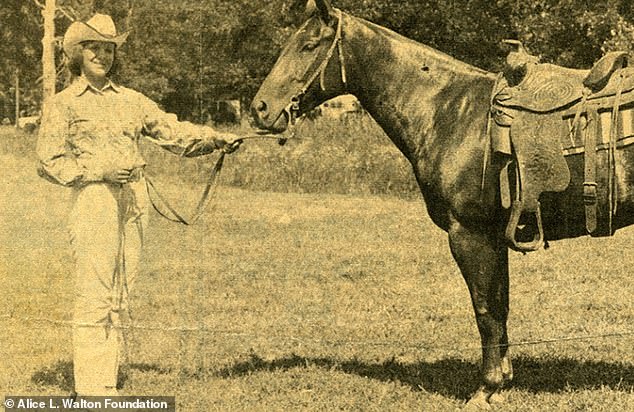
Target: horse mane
439,57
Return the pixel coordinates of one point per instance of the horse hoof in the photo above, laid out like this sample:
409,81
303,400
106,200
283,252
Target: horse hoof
479,405
496,398
479,401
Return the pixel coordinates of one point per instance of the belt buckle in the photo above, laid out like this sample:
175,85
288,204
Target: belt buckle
136,174
589,193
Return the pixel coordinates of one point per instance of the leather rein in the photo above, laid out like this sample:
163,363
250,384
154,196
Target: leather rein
172,214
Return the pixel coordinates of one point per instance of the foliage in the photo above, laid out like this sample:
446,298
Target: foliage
20,51
189,53
328,155
572,32
193,62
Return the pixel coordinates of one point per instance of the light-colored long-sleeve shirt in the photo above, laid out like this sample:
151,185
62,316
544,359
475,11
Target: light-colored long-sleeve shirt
86,132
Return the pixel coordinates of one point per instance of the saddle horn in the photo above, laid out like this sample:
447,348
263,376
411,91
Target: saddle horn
518,62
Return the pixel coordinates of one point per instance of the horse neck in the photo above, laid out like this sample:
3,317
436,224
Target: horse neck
408,87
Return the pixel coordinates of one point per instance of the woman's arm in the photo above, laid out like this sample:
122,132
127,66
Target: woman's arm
57,162
183,138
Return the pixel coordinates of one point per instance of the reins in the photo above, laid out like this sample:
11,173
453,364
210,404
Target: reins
173,215
202,203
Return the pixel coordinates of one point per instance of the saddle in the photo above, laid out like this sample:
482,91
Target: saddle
542,113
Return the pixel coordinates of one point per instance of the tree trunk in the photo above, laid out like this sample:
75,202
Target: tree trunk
48,53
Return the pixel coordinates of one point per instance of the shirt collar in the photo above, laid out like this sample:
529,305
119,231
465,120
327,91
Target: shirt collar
81,85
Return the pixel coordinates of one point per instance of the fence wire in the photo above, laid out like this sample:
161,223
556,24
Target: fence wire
207,330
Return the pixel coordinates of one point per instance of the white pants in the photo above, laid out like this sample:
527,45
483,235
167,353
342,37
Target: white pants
106,227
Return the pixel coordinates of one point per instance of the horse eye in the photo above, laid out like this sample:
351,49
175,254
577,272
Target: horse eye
312,45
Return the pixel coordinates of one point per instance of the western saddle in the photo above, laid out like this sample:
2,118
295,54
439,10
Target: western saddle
540,114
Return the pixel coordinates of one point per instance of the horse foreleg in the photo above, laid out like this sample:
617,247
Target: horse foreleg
483,261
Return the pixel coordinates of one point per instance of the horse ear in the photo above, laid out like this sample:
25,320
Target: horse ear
322,6
311,8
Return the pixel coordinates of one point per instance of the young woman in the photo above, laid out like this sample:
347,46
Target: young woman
88,140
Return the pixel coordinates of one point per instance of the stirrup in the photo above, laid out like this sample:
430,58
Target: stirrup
511,228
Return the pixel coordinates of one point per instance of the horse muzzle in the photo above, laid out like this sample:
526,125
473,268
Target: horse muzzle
262,118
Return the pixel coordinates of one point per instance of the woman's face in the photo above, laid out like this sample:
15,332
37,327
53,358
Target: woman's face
97,58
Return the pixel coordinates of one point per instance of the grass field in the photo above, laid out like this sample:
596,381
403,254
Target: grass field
315,301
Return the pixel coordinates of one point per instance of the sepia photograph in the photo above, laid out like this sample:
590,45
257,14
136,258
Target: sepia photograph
317,205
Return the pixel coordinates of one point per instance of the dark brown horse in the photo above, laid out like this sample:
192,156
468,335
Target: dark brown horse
435,110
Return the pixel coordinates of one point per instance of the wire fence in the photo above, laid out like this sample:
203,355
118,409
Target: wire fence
208,330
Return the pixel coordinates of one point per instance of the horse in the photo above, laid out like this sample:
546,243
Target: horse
436,110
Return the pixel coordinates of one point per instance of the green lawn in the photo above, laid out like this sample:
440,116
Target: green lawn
315,302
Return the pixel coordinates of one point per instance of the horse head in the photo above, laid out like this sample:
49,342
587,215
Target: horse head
306,74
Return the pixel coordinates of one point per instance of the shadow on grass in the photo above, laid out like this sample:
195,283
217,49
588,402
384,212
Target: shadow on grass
457,378
452,378
60,375
151,367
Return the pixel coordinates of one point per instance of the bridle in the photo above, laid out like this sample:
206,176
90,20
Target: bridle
292,109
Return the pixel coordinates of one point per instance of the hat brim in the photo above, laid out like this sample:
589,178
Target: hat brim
80,32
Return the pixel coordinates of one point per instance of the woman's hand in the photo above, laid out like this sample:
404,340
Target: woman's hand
230,143
118,176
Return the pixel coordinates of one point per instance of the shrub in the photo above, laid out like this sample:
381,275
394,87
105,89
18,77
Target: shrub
328,155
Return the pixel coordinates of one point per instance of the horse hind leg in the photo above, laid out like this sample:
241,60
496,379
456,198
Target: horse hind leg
483,261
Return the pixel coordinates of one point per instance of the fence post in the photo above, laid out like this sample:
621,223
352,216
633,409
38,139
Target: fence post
17,98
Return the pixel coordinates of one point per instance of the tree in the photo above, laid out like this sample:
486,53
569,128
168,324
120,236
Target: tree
21,48
572,33
189,53
48,53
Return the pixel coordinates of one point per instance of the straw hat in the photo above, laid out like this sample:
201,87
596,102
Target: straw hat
100,27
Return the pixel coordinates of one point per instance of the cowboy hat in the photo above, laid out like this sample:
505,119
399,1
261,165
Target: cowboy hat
100,27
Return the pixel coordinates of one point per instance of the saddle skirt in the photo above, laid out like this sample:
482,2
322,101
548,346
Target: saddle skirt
543,118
